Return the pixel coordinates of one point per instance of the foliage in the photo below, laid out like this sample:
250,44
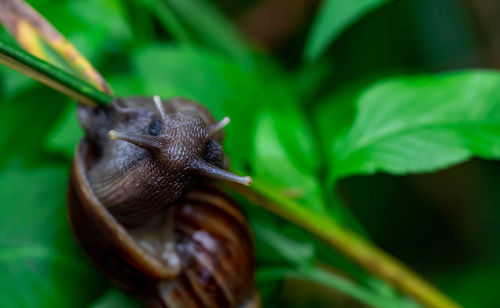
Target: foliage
38,259
334,17
297,136
418,124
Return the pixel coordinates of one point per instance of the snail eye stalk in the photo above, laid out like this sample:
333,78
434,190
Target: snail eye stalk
203,168
159,106
154,144
214,128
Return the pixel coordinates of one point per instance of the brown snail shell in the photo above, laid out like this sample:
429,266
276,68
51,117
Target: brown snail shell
196,252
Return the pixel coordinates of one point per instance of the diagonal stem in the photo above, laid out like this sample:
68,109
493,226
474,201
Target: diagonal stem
350,244
52,76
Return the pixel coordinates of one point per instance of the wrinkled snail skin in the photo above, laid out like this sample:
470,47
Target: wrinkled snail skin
131,180
190,248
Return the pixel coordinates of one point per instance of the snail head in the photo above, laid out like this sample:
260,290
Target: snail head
181,143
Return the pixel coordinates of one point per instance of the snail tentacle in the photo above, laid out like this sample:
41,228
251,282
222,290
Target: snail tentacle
206,169
154,144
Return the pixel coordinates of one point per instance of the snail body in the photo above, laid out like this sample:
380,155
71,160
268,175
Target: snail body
140,208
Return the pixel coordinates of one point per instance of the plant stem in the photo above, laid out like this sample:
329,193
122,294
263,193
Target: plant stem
51,76
350,244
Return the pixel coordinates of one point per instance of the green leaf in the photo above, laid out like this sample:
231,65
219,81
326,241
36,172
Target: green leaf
309,79
97,28
39,261
169,20
334,17
209,26
273,245
285,156
25,122
126,84
334,115
421,124
66,133
12,82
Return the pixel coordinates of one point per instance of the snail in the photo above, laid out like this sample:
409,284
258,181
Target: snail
141,207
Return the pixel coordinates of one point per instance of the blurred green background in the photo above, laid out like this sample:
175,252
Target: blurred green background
290,98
